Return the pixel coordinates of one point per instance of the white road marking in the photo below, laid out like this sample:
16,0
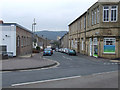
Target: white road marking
102,73
67,58
28,83
45,81
110,63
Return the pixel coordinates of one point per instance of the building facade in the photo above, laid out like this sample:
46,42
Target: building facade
97,31
64,41
16,39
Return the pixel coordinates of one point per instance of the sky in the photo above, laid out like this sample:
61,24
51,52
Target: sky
51,15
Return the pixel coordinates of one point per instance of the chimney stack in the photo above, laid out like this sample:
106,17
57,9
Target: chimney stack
1,21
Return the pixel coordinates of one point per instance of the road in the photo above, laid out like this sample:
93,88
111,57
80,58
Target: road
70,66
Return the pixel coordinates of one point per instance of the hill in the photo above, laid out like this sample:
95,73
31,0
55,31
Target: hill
51,35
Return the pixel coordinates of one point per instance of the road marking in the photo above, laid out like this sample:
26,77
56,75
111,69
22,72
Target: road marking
102,73
28,83
45,81
67,58
111,63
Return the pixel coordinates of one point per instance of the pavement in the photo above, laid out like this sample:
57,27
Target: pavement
100,59
26,62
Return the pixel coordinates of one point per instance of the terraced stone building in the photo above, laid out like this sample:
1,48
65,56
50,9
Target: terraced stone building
97,31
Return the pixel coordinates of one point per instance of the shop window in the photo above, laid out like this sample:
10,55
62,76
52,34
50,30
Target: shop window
109,45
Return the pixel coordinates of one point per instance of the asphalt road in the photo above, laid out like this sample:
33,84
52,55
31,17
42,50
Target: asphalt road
103,80
69,66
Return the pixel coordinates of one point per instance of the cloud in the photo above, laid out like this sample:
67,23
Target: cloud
49,14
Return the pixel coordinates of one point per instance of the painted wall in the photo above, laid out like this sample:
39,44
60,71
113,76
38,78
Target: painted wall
8,38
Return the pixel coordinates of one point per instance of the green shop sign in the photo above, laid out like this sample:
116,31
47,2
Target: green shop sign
109,48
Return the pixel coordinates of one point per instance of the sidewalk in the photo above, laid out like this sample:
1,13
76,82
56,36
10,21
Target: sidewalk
97,59
26,63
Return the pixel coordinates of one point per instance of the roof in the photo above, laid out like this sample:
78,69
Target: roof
64,35
108,0
78,18
6,24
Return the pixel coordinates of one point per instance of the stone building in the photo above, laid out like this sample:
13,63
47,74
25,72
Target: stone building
97,31
64,41
16,38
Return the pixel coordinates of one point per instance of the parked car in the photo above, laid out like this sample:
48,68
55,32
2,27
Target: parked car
66,50
56,49
4,55
59,50
62,50
71,52
47,51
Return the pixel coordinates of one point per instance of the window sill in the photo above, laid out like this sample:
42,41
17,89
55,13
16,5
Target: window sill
109,53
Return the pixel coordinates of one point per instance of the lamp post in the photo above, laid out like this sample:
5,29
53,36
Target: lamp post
33,30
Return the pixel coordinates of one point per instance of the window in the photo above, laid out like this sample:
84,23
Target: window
81,24
72,43
95,17
114,13
18,41
88,20
109,45
105,13
22,41
92,17
98,15
84,22
75,43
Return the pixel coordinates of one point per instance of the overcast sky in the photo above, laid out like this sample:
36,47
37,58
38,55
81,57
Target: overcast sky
49,14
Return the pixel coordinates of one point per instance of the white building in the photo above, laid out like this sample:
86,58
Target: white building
16,39
8,38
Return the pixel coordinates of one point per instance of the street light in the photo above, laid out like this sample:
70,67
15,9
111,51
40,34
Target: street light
33,30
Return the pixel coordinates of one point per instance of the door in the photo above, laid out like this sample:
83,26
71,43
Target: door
95,47
90,46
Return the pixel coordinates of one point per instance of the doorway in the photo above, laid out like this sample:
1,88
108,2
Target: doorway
91,46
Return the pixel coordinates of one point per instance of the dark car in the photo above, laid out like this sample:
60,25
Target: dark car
47,51
4,55
71,52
